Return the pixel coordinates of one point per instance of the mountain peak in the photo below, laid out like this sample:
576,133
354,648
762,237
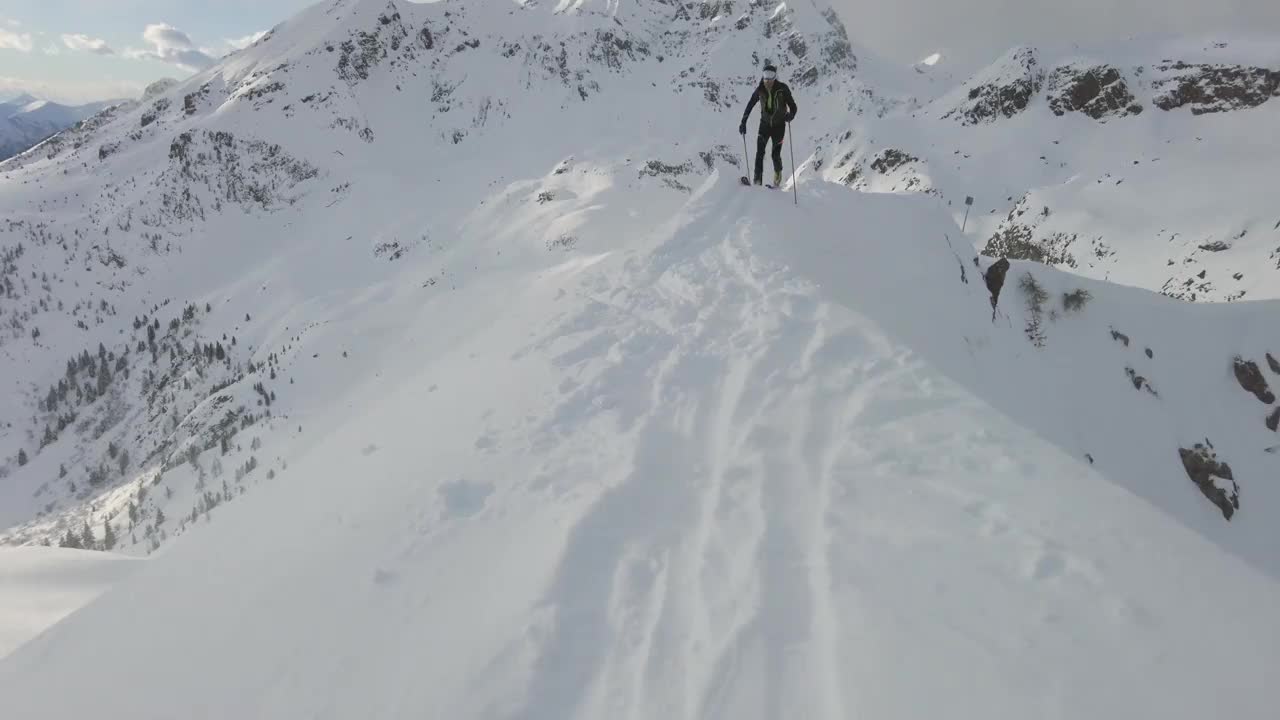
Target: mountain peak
19,100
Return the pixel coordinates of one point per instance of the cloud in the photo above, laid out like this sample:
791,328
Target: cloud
15,41
85,43
171,45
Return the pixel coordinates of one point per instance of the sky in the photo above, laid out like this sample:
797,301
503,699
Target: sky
83,50
77,51
972,33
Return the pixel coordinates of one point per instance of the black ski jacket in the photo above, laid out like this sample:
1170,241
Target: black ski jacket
777,107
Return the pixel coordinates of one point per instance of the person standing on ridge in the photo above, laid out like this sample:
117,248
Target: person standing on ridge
777,108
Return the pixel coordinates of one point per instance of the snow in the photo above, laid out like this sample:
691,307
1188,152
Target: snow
553,419
708,487
41,586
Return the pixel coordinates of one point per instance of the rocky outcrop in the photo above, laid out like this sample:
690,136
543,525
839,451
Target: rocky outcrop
1249,375
1017,238
1003,91
1273,420
1140,382
1206,88
210,170
1099,91
1213,478
364,50
892,159
1275,364
994,277
1017,241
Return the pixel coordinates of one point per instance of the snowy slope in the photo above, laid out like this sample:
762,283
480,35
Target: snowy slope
1149,164
41,586
338,116
449,329
697,485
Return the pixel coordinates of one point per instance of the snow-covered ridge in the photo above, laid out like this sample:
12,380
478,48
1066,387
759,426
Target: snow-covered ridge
289,127
713,449
452,322
294,123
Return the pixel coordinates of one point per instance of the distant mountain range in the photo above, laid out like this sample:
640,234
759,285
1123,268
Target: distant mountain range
27,120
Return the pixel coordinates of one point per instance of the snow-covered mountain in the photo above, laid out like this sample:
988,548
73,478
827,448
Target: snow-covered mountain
440,353
1149,165
26,120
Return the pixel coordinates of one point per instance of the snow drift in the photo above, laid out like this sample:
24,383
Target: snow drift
41,586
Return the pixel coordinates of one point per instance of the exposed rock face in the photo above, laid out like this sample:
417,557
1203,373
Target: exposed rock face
994,277
1016,238
1275,364
364,50
1139,382
1249,375
892,159
1208,88
208,171
1003,91
1212,477
1018,241
1099,92
1273,420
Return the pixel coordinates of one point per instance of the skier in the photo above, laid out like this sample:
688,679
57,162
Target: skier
777,108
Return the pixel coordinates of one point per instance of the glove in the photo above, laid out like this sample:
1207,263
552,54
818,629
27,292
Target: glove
742,129
790,117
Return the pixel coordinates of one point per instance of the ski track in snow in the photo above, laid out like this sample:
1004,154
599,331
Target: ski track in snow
703,584
752,487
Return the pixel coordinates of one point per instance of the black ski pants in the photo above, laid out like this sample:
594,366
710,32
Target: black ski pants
768,133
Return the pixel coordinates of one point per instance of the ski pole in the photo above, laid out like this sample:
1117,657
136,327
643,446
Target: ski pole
791,141
746,158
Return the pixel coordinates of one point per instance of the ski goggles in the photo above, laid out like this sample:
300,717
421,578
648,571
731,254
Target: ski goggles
769,74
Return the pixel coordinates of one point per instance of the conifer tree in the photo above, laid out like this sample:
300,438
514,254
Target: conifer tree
108,535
